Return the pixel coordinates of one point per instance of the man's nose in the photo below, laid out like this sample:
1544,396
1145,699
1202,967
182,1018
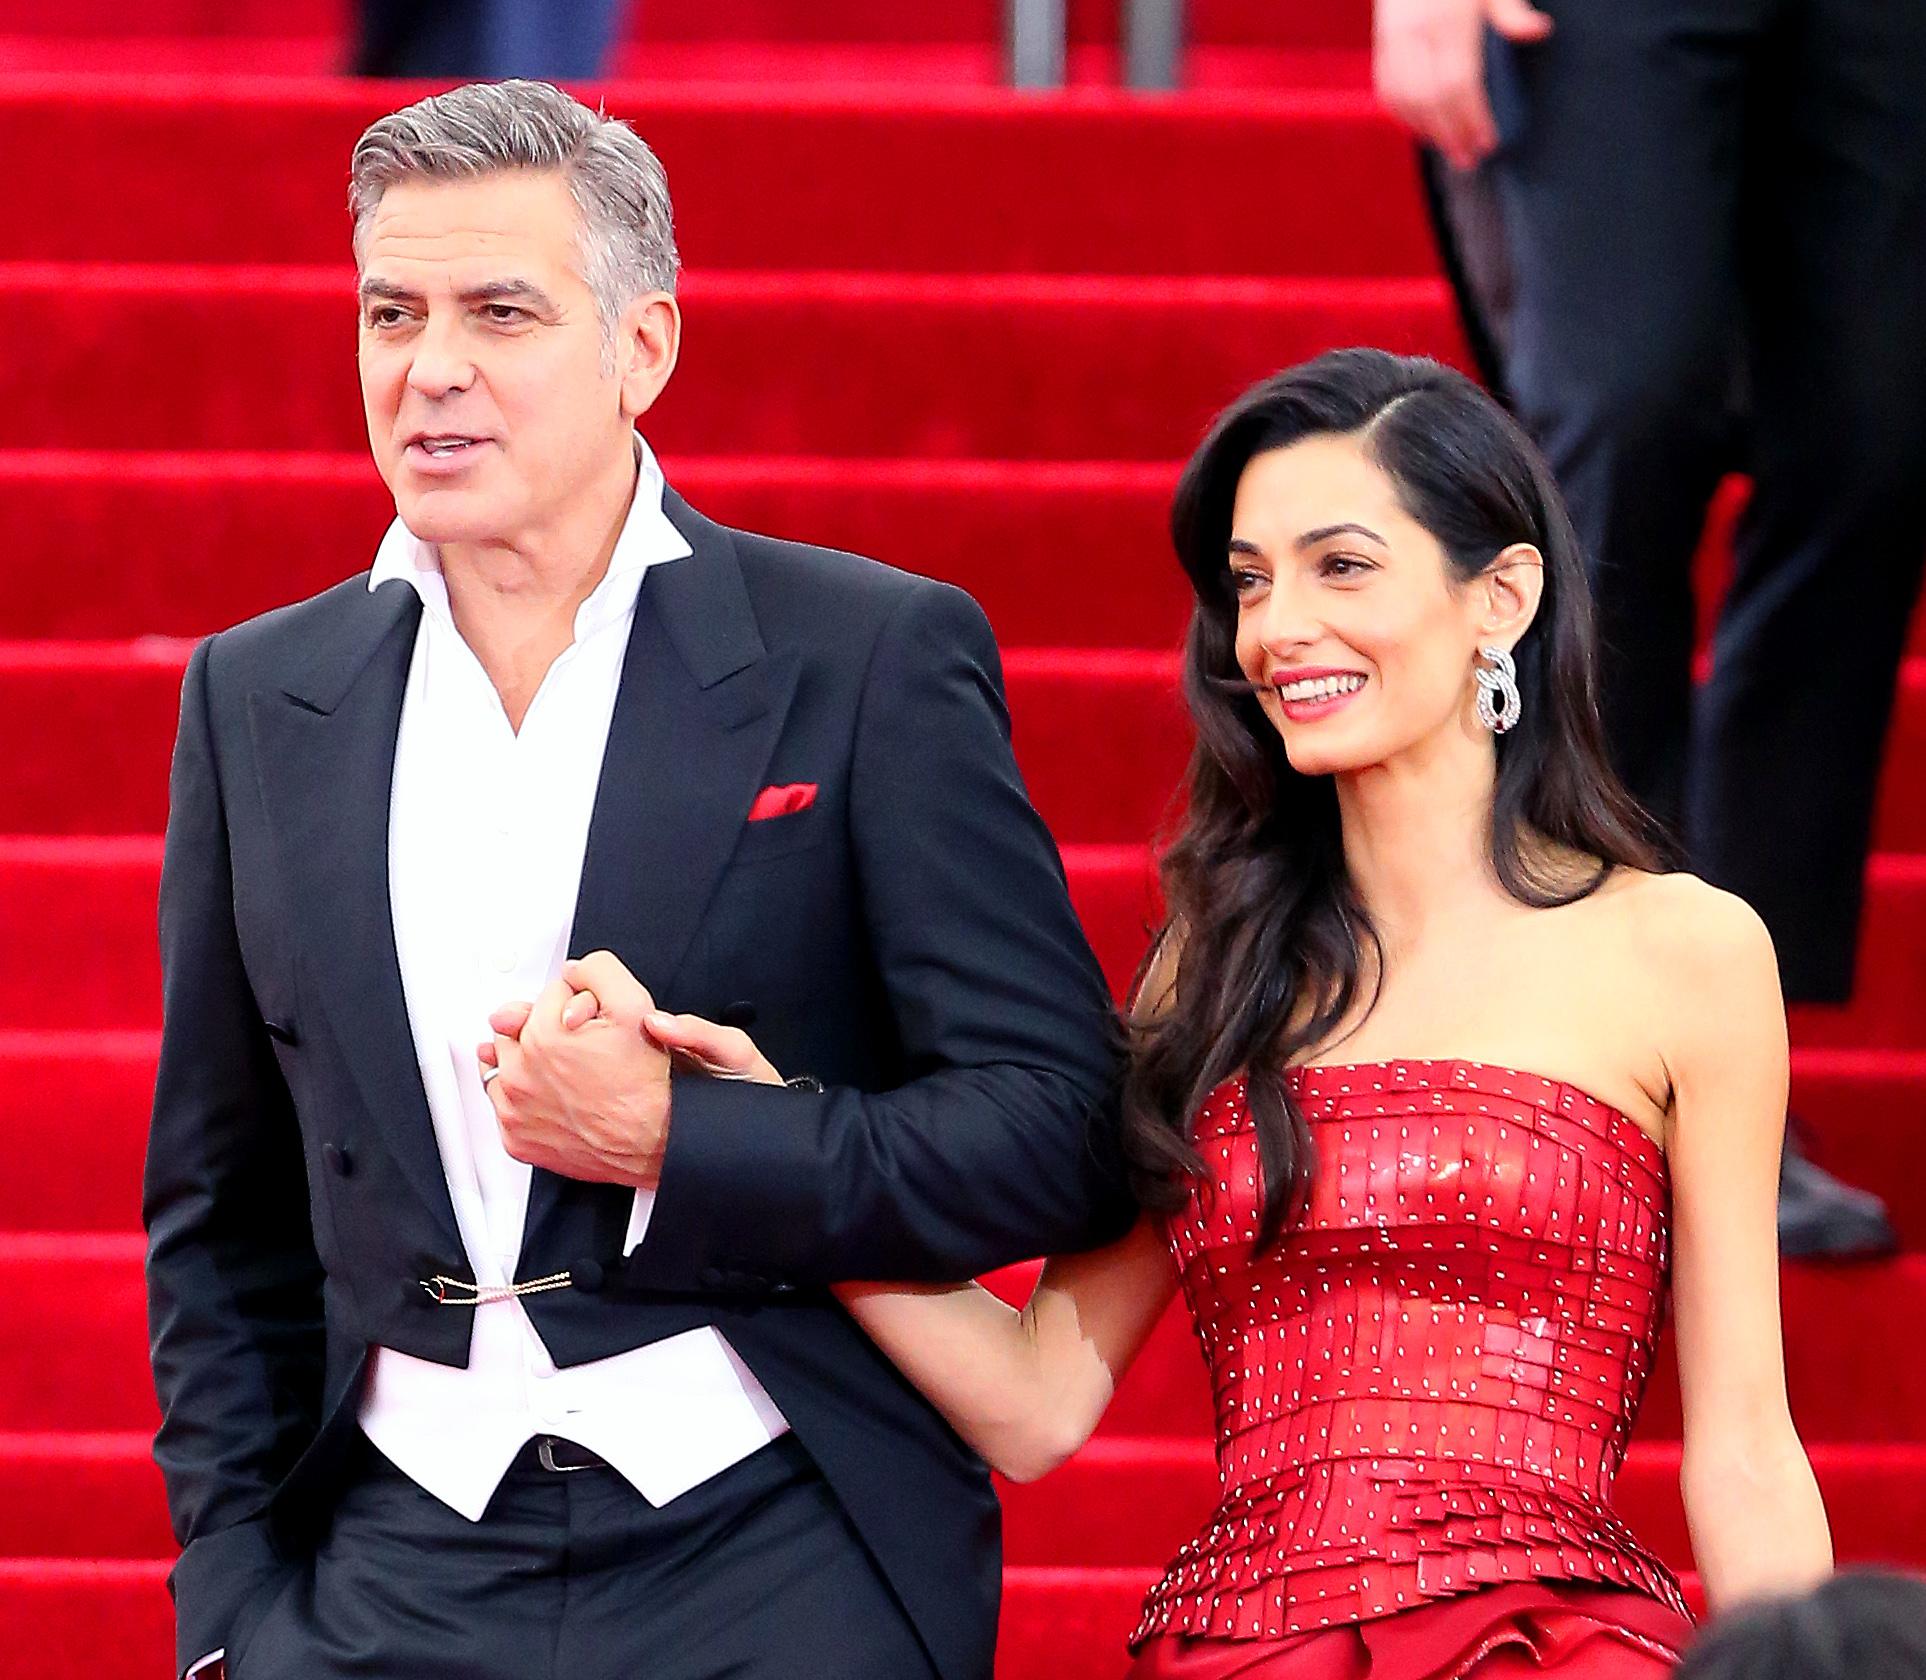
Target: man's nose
440,363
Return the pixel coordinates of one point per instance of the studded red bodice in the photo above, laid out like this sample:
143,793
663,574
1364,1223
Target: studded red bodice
1429,1385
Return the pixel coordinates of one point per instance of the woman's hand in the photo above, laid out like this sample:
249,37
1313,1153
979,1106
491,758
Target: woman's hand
690,1041
720,1052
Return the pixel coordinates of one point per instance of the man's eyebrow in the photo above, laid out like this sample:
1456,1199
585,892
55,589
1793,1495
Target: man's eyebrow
512,291
387,290
375,289
1310,539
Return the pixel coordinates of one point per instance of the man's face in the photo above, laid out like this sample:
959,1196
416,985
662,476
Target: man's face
490,397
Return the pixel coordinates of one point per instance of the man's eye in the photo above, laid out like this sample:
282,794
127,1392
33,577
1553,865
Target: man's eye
384,315
505,314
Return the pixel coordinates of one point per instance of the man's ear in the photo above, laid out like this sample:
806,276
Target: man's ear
1510,590
648,340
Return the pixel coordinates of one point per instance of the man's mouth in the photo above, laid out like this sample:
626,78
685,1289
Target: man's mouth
444,446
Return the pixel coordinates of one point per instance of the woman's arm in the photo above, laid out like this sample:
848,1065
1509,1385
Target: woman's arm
1757,1522
1025,1388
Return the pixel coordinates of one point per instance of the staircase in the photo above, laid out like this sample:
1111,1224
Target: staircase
969,332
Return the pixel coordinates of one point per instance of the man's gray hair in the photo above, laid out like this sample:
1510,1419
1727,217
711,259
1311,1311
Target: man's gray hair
486,128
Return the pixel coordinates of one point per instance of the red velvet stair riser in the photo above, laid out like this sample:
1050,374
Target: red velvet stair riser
824,171
864,365
74,1357
59,895
1344,23
1102,738
1867,1111
78,522
1123,1503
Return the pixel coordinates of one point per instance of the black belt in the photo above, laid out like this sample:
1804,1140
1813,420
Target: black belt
557,1456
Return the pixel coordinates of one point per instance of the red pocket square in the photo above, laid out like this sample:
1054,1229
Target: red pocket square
783,801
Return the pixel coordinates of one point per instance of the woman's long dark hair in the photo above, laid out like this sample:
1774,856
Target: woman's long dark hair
1268,930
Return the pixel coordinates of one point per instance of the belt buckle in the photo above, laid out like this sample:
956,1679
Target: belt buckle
545,1457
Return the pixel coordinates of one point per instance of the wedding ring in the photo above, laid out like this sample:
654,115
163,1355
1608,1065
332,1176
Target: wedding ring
489,1073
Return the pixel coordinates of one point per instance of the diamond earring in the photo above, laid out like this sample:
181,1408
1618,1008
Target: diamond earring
1498,700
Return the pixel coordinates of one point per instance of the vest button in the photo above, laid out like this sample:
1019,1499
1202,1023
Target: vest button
588,1276
340,1159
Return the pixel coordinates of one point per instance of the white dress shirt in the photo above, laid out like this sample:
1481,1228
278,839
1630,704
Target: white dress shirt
487,829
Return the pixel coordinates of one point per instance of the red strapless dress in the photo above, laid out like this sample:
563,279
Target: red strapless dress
1424,1393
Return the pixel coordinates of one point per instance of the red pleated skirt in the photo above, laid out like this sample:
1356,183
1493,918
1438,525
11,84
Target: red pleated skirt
1507,1632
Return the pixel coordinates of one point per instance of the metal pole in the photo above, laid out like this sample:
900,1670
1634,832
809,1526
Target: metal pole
1036,43
1153,42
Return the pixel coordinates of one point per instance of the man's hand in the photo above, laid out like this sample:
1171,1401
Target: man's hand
1428,66
582,1090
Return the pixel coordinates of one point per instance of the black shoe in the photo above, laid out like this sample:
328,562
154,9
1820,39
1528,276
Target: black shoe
1821,1218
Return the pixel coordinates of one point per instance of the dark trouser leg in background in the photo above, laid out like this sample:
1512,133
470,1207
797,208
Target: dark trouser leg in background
1639,142
555,40
1792,723
1620,196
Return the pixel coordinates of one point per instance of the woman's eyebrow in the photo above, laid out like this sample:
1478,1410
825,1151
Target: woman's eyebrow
1311,538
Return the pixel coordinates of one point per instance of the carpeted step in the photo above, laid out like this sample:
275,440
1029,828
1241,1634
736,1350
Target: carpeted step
111,1619
1866,1111
1127,1502
771,177
73,1352
1123,1502
848,66
840,364
1337,23
64,894
117,544
1101,734
63,1619
1116,898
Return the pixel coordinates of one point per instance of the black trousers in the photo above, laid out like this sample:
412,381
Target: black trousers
754,1575
1686,187
464,39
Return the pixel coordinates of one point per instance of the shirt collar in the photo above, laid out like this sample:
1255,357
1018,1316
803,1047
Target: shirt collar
647,538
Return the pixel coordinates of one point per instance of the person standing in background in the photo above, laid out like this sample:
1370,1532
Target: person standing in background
554,40
1691,192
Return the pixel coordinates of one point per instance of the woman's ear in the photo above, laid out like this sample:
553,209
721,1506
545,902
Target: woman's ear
1510,589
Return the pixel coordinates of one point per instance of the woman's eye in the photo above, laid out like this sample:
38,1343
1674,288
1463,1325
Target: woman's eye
1345,565
1244,581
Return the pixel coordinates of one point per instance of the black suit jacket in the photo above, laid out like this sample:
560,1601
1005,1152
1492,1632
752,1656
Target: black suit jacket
908,939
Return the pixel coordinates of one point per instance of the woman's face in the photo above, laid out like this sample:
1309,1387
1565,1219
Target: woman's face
1349,618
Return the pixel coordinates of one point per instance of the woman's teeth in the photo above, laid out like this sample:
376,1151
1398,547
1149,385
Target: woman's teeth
1319,688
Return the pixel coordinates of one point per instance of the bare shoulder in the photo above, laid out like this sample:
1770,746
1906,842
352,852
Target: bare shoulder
1691,930
1707,968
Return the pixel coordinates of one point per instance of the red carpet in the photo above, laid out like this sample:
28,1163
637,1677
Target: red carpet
968,332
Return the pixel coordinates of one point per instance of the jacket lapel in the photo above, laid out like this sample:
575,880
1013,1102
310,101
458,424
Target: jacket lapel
698,712
325,751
